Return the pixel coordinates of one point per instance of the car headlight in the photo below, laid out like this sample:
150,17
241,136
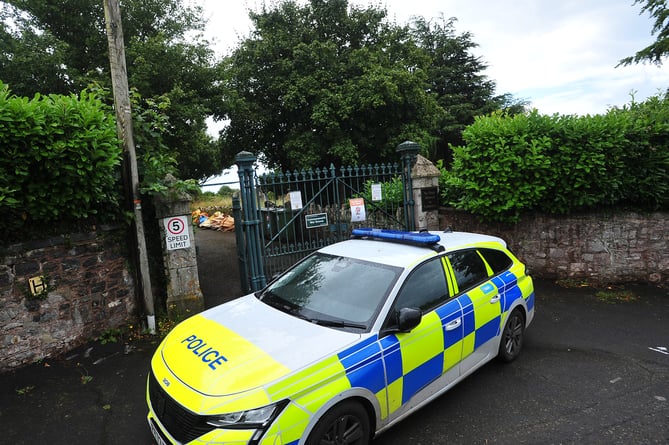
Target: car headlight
253,418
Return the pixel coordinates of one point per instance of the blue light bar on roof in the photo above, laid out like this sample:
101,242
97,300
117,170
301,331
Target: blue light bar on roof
423,238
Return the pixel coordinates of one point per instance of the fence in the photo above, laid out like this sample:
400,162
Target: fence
284,216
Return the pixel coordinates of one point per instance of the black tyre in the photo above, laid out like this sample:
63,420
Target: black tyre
512,337
345,424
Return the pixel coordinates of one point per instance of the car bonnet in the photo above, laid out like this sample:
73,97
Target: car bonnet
245,344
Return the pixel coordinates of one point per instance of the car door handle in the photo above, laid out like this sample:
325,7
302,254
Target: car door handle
495,299
453,325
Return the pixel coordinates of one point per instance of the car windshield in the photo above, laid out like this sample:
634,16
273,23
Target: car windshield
333,291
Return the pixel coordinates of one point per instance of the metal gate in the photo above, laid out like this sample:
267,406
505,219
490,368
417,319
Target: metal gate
284,216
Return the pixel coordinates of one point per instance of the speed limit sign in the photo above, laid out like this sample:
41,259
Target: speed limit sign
176,232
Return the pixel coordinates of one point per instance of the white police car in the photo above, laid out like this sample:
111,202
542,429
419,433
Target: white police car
345,344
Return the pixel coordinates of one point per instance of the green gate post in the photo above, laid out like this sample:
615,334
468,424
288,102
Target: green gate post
408,150
251,220
241,249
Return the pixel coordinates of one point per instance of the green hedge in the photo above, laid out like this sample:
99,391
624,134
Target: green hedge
562,164
59,163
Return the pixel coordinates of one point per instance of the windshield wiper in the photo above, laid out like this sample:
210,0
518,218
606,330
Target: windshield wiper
272,299
337,323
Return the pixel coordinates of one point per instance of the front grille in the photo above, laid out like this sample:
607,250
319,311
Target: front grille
181,423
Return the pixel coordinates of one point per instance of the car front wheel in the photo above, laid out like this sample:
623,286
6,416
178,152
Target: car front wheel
512,337
345,424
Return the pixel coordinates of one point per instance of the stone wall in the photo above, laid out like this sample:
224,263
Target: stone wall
89,290
601,248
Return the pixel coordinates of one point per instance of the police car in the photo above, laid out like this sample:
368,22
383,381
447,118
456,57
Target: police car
345,344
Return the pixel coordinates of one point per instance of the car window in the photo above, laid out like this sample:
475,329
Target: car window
425,288
328,288
468,267
498,260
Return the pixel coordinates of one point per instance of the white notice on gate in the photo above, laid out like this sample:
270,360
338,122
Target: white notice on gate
357,209
376,192
296,200
176,232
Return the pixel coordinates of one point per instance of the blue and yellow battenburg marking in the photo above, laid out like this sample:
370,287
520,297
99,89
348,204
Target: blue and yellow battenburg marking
394,368
412,361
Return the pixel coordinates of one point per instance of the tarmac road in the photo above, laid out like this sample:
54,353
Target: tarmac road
593,371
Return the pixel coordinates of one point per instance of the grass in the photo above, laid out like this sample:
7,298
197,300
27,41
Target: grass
571,283
211,202
25,390
613,295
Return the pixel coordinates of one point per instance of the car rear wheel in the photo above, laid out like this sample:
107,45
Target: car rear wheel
345,424
512,337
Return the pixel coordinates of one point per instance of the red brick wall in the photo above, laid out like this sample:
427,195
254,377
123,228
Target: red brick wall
601,248
90,290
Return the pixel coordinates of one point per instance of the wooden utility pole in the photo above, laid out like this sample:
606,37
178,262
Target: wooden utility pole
124,128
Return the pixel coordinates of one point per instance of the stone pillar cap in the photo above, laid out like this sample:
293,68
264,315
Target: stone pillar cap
424,168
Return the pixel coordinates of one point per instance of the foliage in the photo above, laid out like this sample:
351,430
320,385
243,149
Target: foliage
392,192
169,319
448,184
157,164
562,164
59,163
323,82
85,377
226,191
501,168
659,49
455,78
166,56
210,204
111,335
25,390
615,295
645,180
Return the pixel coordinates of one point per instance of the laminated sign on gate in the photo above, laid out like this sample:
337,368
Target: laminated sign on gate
176,232
358,213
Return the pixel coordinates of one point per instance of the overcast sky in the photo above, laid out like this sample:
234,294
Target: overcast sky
558,54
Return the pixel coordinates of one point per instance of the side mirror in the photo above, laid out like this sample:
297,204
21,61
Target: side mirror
408,318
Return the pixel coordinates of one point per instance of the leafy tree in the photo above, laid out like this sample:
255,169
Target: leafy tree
324,82
329,82
226,191
656,51
63,47
455,77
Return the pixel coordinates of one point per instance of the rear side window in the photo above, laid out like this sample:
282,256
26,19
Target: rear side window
498,260
469,269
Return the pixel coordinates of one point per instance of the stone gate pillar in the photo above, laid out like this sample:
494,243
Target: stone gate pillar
176,233
425,181
408,151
